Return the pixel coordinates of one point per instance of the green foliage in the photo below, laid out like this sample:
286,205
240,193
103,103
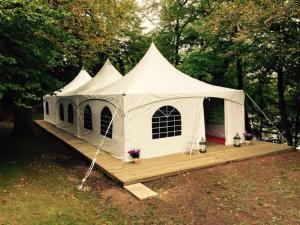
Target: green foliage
250,43
32,43
44,42
239,44
131,48
175,30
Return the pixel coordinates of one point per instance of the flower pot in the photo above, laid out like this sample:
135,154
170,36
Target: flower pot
136,160
248,142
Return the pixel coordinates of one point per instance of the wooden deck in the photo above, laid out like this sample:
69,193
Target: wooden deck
151,169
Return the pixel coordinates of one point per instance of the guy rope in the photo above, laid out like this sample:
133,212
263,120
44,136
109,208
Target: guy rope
81,186
273,125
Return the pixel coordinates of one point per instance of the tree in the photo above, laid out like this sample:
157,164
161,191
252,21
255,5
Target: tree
175,31
32,42
265,33
40,39
102,25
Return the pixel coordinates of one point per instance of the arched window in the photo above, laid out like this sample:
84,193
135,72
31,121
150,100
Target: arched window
105,119
70,114
61,112
166,122
47,108
87,118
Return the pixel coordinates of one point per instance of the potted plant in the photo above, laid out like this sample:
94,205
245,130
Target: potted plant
135,154
248,137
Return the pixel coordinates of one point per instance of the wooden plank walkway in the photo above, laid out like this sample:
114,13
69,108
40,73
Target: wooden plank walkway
151,169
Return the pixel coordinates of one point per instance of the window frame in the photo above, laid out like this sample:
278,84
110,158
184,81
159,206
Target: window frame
88,118
47,107
70,113
166,122
105,119
61,112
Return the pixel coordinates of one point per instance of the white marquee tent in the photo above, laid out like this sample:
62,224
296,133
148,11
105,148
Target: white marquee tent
155,108
66,106
49,101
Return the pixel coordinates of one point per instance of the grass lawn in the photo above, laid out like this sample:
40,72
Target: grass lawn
38,178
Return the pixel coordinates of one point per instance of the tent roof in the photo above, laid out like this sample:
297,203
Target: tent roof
155,75
78,81
106,75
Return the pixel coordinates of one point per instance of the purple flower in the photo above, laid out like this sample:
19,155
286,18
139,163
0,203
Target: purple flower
134,153
248,136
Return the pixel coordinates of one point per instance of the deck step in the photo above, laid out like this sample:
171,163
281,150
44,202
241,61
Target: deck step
168,165
140,191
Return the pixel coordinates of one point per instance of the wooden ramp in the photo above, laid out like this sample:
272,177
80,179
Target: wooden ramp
151,169
140,191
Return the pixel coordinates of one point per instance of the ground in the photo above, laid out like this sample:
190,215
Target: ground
39,175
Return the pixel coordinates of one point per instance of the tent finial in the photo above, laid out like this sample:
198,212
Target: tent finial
152,40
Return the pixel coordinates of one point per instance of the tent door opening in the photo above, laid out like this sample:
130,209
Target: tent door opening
214,120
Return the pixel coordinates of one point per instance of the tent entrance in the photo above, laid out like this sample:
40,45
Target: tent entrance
214,120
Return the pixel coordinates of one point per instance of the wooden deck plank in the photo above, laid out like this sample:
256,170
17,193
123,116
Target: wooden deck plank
195,161
140,191
177,159
150,169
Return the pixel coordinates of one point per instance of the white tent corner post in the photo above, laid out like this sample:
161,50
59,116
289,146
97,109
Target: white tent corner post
78,125
234,119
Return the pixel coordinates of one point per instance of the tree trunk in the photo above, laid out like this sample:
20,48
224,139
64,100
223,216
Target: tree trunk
23,121
1,110
261,104
240,78
247,121
297,101
282,107
297,126
239,69
177,43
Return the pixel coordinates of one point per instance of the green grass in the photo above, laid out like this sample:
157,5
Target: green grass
34,188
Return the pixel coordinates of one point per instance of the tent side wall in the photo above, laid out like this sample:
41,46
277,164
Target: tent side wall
46,116
51,106
114,145
65,124
234,120
138,128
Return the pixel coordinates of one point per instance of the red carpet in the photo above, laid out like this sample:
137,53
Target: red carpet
215,139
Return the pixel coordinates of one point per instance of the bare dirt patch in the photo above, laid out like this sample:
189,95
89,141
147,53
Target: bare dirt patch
258,191
264,190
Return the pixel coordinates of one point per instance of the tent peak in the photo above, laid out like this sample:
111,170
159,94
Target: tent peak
153,48
107,61
83,70
152,44
108,69
105,76
82,78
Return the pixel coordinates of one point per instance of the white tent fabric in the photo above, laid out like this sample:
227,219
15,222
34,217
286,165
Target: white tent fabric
106,75
82,78
151,84
155,77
